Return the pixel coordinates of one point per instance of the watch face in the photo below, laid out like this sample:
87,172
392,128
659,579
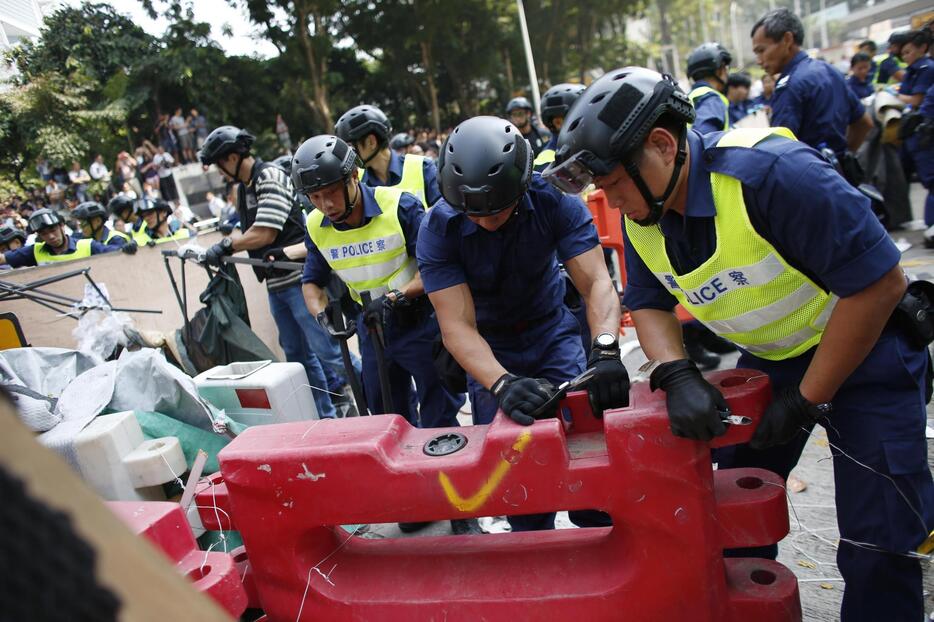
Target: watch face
605,340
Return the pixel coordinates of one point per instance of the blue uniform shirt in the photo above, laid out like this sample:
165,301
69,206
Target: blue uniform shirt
24,256
811,99
927,104
710,110
512,272
832,237
318,271
919,76
738,110
887,68
429,171
116,241
859,87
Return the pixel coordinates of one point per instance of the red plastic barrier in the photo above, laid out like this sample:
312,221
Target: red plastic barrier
164,524
288,485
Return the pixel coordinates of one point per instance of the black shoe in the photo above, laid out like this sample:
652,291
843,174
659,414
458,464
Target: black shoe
466,526
413,527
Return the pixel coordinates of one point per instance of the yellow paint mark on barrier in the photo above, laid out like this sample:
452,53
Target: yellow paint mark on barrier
477,499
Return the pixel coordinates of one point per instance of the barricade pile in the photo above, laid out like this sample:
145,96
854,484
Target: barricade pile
289,487
164,524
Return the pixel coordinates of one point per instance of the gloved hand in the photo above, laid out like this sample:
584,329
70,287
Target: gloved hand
130,247
375,313
276,254
694,404
226,228
609,387
214,255
520,397
784,417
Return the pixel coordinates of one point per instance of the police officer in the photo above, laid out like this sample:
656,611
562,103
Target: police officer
805,289
520,113
919,75
123,210
367,130
919,151
709,68
55,244
869,48
811,97
737,93
859,80
11,238
269,219
92,218
890,68
555,105
367,236
157,227
401,143
489,254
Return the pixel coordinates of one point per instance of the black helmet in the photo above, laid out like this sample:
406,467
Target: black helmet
119,204
360,121
88,210
609,125
43,219
8,233
485,166
320,162
148,205
706,59
401,141
285,163
518,102
222,141
557,101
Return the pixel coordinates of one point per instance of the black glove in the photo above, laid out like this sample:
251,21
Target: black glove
130,247
520,397
784,417
276,254
324,319
375,312
851,169
609,386
226,228
694,405
214,256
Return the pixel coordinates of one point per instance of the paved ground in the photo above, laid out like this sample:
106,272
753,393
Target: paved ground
810,548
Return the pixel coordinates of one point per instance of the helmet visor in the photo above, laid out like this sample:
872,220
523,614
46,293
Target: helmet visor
577,172
38,222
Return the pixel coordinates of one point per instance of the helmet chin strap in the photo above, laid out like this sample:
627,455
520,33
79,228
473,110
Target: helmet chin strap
656,204
348,205
379,147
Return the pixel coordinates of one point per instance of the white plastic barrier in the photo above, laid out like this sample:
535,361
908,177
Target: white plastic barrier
120,465
258,393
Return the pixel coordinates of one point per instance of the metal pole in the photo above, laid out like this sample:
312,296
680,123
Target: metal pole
734,33
824,38
533,78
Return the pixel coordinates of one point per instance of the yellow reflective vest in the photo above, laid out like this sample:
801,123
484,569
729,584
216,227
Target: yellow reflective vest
41,253
700,91
371,258
413,177
745,292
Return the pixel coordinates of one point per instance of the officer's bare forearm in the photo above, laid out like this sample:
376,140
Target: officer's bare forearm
912,100
659,334
852,330
316,299
254,237
414,288
589,274
856,132
296,251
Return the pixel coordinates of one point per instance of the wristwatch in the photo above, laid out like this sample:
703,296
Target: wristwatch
606,341
820,410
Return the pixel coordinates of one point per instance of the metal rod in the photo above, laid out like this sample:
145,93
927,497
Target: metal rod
178,296
379,348
97,289
250,261
338,317
533,77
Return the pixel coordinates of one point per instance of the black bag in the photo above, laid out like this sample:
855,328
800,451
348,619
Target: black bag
915,313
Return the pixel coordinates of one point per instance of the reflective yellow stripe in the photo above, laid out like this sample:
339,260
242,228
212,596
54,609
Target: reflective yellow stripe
115,234
142,236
